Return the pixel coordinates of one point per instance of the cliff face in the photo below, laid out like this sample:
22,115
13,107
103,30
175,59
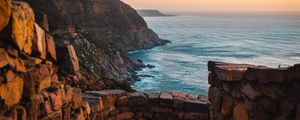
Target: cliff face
101,31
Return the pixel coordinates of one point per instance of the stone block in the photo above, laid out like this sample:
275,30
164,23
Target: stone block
203,98
122,102
195,116
11,92
5,13
231,72
215,97
249,91
165,99
125,116
22,26
68,60
137,99
240,112
196,106
56,99
227,105
178,102
96,103
159,109
37,79
293,72
39,42
51,49
3,58
192,96
76,98
153,98
103,93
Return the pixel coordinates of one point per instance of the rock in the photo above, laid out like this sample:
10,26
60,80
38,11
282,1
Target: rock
124,116
19,65
196,106
22,26
178,102
5,13
215,96
165,99
11,92
56,99
51,49
293,72
37,79
240,112
153,98
231,72
39,42
10,76
68,60
137,99
3,58
76,98
46,108
195,116
203,98
249,91
12,52
122,102
227,105
192,96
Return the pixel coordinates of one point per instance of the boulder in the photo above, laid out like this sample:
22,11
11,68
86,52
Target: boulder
5,13
22,26
39,42
68,60
11,92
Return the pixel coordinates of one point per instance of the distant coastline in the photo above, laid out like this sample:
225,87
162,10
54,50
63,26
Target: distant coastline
151,13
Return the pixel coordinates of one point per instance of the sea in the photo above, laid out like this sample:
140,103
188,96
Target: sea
271,40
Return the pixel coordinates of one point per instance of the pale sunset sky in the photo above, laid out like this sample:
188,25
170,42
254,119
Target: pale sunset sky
217,5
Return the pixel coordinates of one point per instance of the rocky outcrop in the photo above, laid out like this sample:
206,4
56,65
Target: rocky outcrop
247,92
101,31
151,13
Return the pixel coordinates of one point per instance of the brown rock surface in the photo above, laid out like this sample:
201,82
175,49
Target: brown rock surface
39,42
5,13
51,49
11,92
22,26
240,112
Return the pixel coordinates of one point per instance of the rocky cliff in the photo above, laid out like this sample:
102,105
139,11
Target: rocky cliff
101,31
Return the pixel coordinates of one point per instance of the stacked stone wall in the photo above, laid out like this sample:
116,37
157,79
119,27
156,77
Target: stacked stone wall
247,92
122,105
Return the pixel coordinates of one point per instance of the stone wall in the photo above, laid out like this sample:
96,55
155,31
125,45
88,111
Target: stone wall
247,92
31,85
122,105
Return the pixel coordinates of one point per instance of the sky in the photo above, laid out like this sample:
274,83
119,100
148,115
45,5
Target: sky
217,5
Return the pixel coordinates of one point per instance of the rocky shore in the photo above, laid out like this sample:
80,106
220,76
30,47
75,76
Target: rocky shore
58,72
102,33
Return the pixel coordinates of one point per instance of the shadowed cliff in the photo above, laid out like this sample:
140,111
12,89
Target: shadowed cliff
101,31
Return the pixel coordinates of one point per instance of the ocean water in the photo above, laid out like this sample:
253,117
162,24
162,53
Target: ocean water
269,40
